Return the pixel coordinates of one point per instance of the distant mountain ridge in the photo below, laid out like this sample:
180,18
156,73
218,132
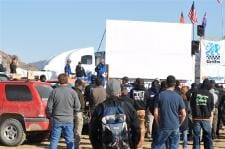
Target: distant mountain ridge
39,64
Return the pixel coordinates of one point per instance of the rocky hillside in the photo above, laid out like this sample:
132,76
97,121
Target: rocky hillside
39,64
6,60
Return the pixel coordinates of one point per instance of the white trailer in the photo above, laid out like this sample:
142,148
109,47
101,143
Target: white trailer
149,50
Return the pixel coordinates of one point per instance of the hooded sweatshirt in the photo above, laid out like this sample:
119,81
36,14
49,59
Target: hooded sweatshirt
140,96
202,103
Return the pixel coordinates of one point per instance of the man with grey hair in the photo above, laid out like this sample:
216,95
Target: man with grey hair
120,112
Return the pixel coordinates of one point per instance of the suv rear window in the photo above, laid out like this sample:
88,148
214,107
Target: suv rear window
18,93
44,91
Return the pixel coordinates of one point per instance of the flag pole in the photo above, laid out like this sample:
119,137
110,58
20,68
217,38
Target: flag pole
193,31
193,24
222,20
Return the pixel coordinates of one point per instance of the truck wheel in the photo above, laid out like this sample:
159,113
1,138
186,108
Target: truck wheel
11,132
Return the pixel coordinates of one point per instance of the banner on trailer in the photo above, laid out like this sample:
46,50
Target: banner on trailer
213,60
149,50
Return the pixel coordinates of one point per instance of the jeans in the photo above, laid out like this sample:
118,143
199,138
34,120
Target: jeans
172,135
67,129
185,139
207,137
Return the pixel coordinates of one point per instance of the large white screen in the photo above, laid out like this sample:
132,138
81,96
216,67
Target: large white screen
149,49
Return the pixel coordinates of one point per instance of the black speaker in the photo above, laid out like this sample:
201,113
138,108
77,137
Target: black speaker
194,47
200,30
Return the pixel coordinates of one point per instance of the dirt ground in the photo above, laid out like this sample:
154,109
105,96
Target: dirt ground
85,144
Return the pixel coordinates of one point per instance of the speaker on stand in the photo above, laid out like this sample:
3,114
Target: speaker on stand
200,30
194,47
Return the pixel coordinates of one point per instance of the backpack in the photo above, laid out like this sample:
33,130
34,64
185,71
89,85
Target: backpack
114,128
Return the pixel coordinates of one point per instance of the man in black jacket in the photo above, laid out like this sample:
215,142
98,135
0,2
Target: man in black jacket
80,72
96,131
153,92
202,106
141,97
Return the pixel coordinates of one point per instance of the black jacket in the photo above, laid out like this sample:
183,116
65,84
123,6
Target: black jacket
88,94
127,99
153,93
141,97
202,104
80,72
131,119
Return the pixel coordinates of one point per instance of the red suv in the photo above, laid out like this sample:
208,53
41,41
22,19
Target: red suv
23,111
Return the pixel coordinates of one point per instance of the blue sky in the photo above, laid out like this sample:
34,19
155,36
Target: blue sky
38,29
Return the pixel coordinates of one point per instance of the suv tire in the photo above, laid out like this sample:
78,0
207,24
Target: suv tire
11,132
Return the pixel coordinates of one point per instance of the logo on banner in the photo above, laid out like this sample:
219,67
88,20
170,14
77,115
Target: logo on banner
213,53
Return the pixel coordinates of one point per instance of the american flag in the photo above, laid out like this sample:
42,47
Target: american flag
204,20
182,18
220,1
192,14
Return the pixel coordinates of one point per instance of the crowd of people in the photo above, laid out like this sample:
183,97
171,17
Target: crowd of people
80,73
122,114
